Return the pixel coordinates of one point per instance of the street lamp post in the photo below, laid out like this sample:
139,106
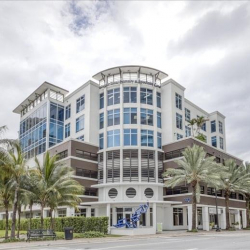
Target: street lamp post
218,228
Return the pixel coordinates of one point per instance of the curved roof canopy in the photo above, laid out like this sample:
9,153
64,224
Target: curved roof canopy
130,68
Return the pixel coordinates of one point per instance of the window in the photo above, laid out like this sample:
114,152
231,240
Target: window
149,193
220,127
129,94
213,126
178,216
112,193
67,112
147,138
210,191
113,96
178,101
233,195
101,101
86,155
159,140
130,76
158,119
146,78
67,130
158,95
188,131
179,136
113,138
101,118
147,117
241,197
214,141
101,143
80,104
178,121
113,117
80,123
130,115
92,212
221,143
130,137
80,138
146,96
61,212
177,190
204,126
81,212
114,78
130,193
187,115
62,155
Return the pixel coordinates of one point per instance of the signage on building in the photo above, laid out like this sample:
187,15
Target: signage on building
188,200
233,211
212,210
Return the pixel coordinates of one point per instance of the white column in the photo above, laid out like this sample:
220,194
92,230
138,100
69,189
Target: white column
154,216
244,218
88,212
205,218
223,219
108,215
190,216
114,215
70,212
237,218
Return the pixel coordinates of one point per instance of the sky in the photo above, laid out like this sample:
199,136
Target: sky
204,46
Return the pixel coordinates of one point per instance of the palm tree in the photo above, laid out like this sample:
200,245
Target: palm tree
246,187
6,195
233,181
55,184
191,124
194,169
15,164
199,122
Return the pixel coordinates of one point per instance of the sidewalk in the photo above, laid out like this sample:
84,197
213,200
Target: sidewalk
164,234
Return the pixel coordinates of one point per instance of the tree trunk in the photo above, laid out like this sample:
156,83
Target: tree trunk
194,205
227,193
247,210
31,214
42,208
51,219
6,222
13,226
19,219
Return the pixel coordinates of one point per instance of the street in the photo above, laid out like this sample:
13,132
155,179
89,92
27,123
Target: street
218,241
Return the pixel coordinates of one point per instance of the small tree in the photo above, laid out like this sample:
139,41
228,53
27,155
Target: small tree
194,169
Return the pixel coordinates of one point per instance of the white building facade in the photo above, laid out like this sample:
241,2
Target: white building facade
132,122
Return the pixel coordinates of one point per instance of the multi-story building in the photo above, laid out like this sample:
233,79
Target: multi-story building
119,132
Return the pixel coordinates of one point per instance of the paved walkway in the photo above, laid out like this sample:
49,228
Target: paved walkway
165,234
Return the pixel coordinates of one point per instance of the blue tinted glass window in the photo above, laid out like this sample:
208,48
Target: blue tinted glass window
220,127
67,130
113,138
130,115
158,119
67,112
146,96
147,138
130,137
129,94
221,143
178,121
113,96
178,101
53,111
60,113
101,121
101,101
214,141
179,136
159,140
101,143
187,114
80,104
147,117
158,99
187,131
213,126
80,123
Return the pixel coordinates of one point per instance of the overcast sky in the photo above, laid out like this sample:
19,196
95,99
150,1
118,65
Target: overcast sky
204,46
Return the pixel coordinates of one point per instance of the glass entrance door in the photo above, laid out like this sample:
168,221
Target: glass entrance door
199,218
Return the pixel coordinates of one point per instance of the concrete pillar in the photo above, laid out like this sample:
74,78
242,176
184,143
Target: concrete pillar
189,208
148,216
205,218
237,218
154,216
108,215
70,212
223,219
88,212
244,218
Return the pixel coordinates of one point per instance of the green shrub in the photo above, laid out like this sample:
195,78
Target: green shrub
91,234
80,224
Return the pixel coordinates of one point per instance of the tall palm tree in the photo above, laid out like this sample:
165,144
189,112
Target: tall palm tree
194,169
6,196
233,181
191,124
15,164
200,121
55,184
246,188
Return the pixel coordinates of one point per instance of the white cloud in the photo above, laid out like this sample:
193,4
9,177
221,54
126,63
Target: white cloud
202,45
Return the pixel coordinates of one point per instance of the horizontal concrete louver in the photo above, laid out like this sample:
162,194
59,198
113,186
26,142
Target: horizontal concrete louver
130,165
100,168
113,166
147,166
160,167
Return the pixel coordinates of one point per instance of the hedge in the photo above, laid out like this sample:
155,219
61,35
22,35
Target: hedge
80,224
